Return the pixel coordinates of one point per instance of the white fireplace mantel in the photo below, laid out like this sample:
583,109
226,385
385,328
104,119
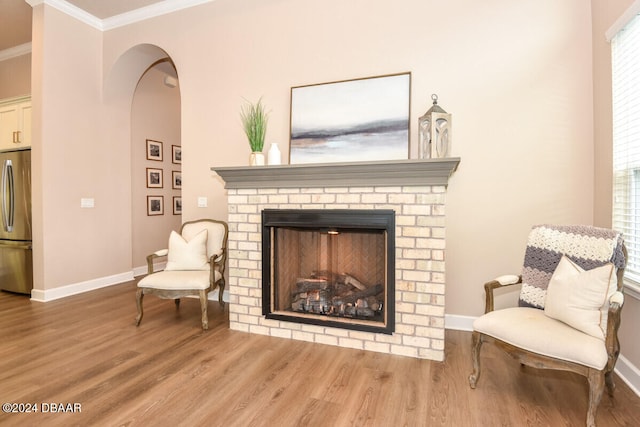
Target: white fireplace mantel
395,172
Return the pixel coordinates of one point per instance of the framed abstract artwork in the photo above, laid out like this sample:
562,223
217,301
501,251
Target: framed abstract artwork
352,120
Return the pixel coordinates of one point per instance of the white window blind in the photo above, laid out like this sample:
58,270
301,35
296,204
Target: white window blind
625,51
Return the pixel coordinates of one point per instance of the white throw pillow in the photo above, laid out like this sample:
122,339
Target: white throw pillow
579,298
191,255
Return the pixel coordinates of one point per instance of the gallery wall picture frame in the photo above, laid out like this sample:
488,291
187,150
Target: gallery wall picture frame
176,154
154,150
176,180
365,119
177,205
155,205
154,178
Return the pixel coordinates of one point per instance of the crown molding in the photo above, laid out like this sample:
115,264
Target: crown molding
148,12
141,14
70,10
12,52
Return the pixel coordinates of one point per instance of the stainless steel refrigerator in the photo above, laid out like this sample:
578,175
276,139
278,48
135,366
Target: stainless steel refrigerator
16,260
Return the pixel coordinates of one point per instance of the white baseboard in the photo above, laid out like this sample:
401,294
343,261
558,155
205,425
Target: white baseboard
627,371
78,288
102,282
143,269
458,323
139,271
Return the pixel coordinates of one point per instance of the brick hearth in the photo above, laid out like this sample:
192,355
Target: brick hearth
420,255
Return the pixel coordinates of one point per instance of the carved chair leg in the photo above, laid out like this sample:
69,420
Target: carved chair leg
221,286
596,387
177,301
476,344
203,307
611,386
139,295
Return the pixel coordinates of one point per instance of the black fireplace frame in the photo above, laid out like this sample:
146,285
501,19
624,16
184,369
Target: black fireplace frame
319,219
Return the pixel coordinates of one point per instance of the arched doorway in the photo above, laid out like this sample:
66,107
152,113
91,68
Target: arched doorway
143,94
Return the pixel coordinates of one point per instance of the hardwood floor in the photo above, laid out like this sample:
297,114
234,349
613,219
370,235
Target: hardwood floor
87,350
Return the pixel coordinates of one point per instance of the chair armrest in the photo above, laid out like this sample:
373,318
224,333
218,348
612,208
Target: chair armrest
499,282
156,254
218,262
613,323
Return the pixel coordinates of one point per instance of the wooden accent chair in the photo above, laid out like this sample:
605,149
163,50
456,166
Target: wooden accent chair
569,308
195,266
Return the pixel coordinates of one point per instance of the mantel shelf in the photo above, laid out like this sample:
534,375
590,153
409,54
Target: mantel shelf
379,173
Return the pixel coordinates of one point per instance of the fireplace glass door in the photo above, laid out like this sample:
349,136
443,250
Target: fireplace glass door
329,267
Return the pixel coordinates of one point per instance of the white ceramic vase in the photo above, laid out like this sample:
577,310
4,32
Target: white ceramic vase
274,156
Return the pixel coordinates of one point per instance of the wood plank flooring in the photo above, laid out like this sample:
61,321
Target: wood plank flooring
86,349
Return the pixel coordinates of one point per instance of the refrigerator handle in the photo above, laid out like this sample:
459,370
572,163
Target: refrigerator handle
7,183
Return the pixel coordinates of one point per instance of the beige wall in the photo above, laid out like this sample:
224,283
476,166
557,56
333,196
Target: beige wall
15,76
74,158
517,76
518,83
155,114
605,13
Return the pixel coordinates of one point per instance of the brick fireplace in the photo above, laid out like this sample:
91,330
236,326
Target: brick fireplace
414,189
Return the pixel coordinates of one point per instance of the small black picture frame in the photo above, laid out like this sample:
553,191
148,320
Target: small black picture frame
177,205
154,150
154,178
176,180
155,205
176,154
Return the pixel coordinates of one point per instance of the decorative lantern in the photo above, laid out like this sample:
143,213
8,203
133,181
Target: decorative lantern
435,132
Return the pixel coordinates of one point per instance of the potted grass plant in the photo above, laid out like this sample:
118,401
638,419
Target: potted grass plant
254,122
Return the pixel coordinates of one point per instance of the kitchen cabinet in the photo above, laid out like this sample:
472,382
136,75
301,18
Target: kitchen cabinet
15,123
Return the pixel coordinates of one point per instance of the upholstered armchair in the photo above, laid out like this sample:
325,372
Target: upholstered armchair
569,307
195,266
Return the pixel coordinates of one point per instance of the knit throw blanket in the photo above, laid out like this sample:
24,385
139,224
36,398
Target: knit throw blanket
589,247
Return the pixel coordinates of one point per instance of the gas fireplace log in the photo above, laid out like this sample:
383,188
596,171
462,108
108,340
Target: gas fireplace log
305,285
373,303
345,278
350,280
326,275
352,298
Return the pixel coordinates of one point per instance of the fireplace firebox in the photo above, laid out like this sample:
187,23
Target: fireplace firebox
330,267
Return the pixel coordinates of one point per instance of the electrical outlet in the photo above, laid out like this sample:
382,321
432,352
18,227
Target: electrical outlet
202,202
87,202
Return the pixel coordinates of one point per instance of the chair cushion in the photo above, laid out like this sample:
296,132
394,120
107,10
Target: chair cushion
532,330
187,255
587,246
579,298
178,280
